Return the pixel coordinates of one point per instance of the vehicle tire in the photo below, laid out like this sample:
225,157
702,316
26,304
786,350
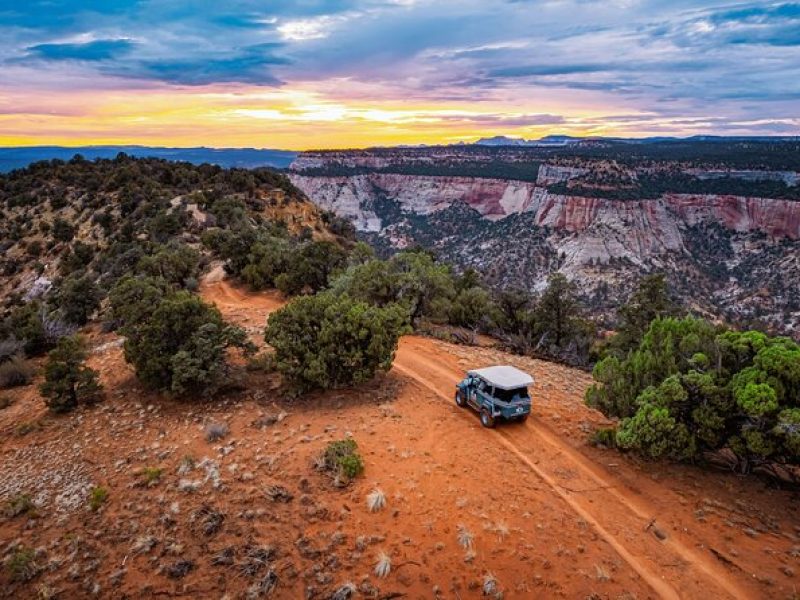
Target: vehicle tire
460,400
487,420
523,418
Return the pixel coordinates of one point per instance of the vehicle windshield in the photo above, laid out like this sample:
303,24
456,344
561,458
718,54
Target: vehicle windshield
511,395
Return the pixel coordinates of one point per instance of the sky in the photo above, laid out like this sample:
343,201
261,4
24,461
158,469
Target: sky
354,73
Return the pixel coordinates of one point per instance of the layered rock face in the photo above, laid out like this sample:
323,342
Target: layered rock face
495,199
600,243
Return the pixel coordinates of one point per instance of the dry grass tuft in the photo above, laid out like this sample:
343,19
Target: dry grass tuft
21,565
21,504
384,565
16,372
465,537
278,493
143,544
97,497
215,432
376,500
344,592
180,568
256,560
151,475
207,520
489,585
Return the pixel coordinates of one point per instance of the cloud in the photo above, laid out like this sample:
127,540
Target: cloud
691,57
251,66
546,70
95,50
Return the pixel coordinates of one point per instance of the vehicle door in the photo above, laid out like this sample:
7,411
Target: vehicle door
485,393
472,392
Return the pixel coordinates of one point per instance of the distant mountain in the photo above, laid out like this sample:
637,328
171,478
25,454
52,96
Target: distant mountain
550,140
19,157
567,140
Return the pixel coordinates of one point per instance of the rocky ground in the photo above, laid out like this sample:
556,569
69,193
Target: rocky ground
222,500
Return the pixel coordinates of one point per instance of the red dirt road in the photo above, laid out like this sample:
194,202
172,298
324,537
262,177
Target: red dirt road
619,515
531,506
637,521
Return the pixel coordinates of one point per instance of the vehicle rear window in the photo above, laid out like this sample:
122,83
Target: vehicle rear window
509,395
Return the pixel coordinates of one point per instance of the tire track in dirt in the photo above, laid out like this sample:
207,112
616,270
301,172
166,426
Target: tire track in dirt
644,553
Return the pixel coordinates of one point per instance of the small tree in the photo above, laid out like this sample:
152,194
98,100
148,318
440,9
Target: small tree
37,326
328,341
688,389
411,278
78,298
67,380
474,308
650,301
174,263
310,267
267,259
180,346
133,299
558,310
62,230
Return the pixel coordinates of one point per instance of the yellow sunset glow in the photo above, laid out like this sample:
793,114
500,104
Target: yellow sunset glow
294,119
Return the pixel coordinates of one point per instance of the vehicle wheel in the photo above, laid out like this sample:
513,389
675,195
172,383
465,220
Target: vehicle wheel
460,400
487,420
523,418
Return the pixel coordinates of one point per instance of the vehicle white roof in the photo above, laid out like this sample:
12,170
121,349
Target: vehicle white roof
504,377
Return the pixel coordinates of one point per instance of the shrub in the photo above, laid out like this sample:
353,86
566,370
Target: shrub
474,308
605,437
267,259
25,323
263,362
410,278
175,264
21,504
67,380
689,389
62,230
77,257
342,460
38,328
10,347
328,341
310,267
78,298
21,564
97,497
133,299
216,432
15,372
558,311
34,248
152,475
650,301
180,346
27,427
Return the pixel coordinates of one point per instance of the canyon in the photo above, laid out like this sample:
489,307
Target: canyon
727,255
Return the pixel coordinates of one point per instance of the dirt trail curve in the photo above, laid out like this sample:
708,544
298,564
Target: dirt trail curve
671,567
